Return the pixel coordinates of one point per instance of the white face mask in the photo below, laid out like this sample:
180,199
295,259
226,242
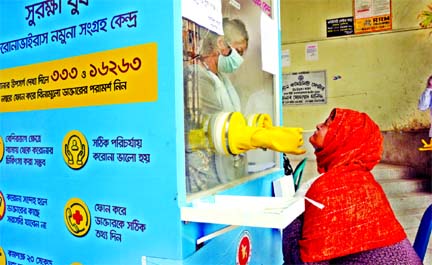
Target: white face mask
229,63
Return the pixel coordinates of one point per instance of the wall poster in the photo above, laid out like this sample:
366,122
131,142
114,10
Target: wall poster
372,16
304,88
340,26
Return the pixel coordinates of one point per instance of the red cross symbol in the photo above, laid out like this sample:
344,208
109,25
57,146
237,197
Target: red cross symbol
77,217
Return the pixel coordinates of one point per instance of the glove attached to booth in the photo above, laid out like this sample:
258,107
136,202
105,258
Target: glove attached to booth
240,137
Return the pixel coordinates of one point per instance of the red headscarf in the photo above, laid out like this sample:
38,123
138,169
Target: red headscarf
357,215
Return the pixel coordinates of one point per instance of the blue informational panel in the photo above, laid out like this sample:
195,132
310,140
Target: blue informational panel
88,129
92,151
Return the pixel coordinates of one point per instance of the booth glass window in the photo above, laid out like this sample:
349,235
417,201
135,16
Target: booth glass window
225,86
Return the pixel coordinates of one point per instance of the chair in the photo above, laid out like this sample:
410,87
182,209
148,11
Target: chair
423,233
298,173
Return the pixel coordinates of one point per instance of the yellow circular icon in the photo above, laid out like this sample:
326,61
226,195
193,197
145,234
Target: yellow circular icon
73,263
1,149
2,257
77,217
75,149
2,206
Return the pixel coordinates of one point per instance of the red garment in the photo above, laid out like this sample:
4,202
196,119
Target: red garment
357,215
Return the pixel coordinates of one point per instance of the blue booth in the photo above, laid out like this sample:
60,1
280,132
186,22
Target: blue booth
101,130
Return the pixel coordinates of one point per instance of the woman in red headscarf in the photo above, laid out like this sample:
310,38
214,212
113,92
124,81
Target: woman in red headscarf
357,224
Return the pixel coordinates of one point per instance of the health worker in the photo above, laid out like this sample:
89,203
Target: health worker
219,56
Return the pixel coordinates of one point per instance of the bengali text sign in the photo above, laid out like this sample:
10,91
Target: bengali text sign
124,75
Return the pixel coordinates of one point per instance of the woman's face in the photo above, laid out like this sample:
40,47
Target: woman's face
317,139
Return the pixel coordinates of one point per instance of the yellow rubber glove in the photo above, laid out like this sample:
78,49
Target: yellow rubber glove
280,139
242,138
426,147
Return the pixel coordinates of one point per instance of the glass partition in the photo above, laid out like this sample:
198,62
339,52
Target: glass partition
223,75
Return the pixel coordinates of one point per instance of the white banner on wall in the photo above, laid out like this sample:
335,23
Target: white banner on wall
304,88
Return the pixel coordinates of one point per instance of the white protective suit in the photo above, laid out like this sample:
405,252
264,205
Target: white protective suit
204,168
